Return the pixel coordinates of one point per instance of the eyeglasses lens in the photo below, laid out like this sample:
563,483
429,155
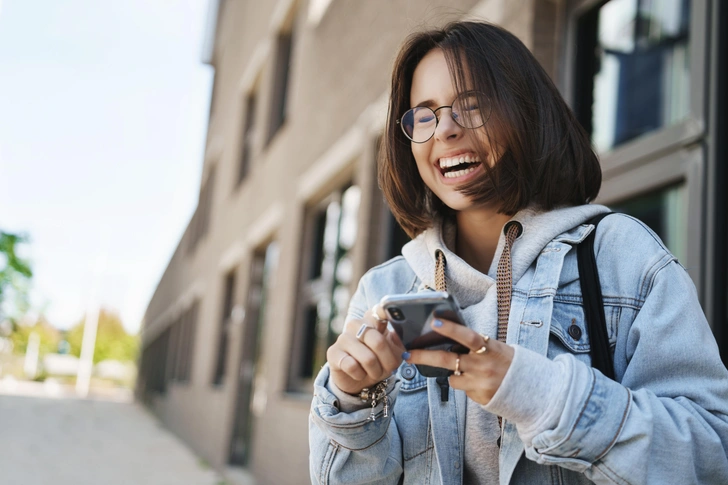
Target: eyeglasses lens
419,123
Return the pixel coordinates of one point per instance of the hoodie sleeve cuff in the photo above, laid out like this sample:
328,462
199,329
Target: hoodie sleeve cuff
343,401
346,402
546,382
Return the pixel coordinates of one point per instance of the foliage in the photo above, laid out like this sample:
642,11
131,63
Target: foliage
112,341
49,336
15,272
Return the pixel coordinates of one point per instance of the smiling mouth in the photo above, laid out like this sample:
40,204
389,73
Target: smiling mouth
458,166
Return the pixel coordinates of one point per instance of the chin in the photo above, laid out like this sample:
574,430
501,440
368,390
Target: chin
458,204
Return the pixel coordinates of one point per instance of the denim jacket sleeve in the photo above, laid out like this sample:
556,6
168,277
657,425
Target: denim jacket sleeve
666,421
349,447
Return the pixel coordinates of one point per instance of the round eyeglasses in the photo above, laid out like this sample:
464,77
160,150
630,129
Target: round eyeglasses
469,110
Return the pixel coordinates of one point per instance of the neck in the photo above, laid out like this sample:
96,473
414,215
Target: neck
478,233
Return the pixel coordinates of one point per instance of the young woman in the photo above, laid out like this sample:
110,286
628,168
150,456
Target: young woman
485,166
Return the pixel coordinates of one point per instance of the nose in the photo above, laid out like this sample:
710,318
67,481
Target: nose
447,128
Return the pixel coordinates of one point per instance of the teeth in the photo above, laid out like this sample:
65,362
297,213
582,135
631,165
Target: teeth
451,162
459,173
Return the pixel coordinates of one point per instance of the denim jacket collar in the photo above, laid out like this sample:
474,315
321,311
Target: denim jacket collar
467,283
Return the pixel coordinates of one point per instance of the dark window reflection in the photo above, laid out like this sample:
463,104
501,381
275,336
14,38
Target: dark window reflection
632,68
663,212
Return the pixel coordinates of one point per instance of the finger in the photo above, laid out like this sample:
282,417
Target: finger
379,312
459,333
374,318
363,355
389,356
435,358
395,342
341,361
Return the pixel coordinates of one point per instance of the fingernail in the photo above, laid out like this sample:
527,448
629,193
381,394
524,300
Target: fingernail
437,323
405,355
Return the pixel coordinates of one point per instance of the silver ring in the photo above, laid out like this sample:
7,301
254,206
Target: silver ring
457,367
342,360
483,349
362,329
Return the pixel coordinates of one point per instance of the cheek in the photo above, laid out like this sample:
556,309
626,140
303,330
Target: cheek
485,145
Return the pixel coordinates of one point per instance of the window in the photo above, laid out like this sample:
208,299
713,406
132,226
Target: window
247,135
632,68
386,236
153,369
184,335
638,71
279,95
395,237
252,380
330,235
663,211
224,329
168,358
188,338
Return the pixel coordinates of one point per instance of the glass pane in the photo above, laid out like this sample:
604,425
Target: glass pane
641,74
664,212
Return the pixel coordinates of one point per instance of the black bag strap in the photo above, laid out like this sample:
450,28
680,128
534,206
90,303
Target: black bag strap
591,291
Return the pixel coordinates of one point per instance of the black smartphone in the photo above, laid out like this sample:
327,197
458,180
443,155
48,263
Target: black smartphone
411,315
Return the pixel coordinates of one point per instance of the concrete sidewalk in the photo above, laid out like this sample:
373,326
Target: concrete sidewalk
71,441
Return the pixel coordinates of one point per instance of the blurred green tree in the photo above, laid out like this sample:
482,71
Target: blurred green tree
15,275
112,341
49,336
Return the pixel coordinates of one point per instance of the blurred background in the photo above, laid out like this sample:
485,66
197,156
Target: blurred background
188,198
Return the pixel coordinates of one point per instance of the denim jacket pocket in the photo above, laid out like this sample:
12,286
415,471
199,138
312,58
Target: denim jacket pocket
569,332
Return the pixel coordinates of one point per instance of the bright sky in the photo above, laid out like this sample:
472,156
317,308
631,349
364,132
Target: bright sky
103,116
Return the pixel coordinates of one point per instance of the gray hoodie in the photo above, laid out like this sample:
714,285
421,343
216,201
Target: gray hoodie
477,295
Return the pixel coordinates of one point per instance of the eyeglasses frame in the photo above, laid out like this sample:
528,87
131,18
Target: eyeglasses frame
437,119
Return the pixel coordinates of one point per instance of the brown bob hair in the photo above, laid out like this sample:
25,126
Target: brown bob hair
546,157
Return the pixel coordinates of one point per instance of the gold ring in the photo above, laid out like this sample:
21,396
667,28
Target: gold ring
457,367
362,329
483,349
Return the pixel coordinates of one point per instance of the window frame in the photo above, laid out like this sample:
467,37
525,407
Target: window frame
223,341
668,138
249,117
668,155
279,96
310,285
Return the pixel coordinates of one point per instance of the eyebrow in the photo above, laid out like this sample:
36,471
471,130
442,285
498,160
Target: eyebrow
430,103
425,104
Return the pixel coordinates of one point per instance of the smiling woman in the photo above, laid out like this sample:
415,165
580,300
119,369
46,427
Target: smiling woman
525,123
486,168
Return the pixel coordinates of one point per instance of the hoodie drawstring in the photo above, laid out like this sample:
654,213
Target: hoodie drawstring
504,288
504,279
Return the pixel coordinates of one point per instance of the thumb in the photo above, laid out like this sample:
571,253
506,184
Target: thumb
376,318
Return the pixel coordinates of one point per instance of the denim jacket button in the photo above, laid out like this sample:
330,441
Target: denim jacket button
409,372
575,332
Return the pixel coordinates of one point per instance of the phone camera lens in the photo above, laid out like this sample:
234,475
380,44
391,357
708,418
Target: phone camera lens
396,314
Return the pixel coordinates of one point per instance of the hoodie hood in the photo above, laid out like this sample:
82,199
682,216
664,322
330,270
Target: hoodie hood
467,283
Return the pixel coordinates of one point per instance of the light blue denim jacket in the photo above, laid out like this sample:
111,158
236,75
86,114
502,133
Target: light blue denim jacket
664,421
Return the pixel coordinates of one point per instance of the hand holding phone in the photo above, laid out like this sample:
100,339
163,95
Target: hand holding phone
411,315
365,353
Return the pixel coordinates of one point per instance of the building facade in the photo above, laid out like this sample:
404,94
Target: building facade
290,216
